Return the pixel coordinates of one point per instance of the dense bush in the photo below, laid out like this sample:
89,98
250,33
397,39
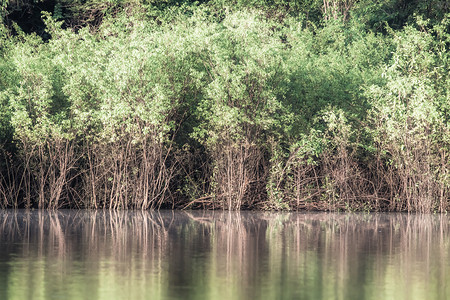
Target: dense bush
269,104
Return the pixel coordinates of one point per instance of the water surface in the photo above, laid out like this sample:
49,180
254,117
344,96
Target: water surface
222,255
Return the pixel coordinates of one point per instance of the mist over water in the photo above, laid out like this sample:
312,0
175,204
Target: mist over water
222,255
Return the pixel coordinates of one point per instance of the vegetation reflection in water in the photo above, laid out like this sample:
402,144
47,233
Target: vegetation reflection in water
222,255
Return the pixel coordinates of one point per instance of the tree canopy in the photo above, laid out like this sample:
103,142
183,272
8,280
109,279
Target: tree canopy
334,105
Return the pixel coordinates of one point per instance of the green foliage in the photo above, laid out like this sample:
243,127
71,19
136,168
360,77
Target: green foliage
408,122
276,104
245,66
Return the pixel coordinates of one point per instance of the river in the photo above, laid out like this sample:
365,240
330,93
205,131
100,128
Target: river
71,254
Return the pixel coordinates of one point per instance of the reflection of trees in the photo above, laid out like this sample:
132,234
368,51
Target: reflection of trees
238,249
313,256
82,255
362,256
245,255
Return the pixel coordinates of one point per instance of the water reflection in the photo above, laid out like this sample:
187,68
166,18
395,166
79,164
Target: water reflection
222,255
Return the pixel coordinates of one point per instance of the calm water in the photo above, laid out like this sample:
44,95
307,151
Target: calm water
223,255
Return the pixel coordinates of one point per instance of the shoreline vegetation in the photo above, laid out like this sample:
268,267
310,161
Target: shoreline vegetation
337,105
